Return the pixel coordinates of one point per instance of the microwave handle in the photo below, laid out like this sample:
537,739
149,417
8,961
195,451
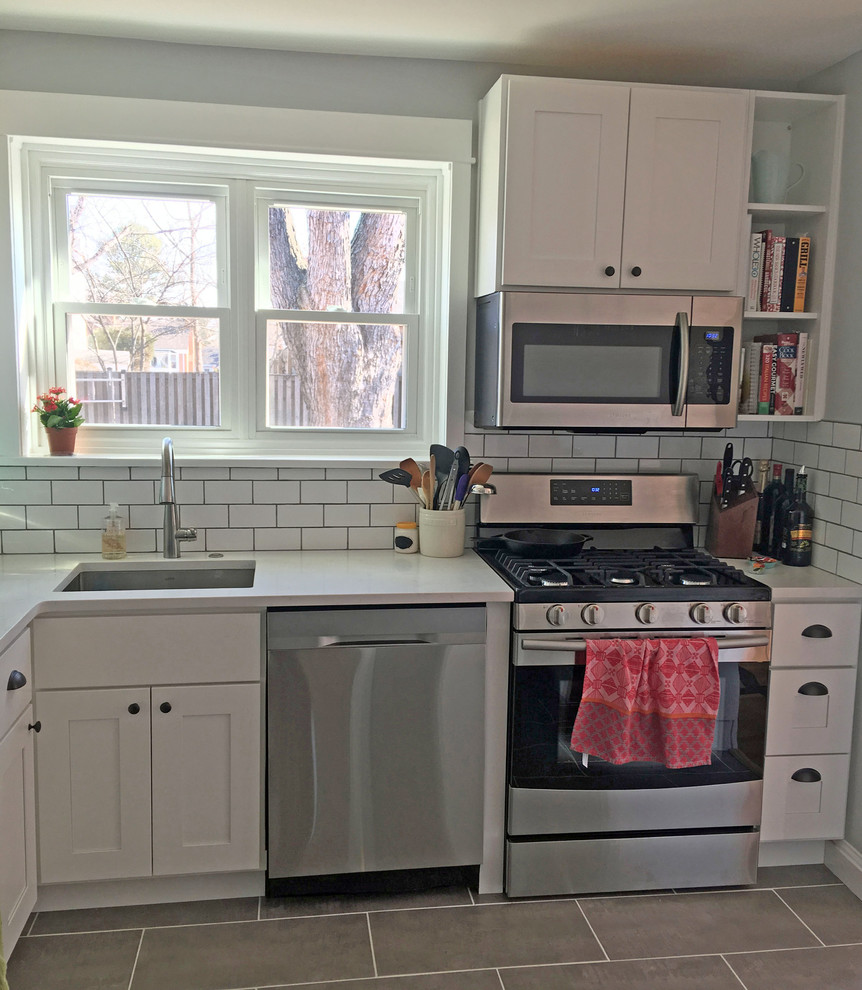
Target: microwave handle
681,324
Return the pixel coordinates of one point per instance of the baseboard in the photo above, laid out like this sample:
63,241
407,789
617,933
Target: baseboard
792,853
149,890
845,861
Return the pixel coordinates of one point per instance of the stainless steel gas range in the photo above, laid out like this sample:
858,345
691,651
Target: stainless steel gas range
577,825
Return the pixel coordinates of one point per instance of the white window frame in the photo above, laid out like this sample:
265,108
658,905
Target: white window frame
443,208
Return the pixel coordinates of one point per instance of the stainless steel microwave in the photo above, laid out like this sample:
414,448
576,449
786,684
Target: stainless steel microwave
592,361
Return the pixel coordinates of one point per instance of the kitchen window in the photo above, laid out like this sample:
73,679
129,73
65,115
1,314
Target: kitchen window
254,304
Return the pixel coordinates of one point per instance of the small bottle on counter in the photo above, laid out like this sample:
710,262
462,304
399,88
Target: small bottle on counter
113,535
779,516
406,537
798,526
766,510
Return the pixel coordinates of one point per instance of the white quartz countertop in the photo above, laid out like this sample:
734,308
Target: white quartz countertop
802,583
28,583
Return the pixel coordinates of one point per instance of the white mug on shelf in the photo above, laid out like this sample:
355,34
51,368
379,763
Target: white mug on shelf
770,174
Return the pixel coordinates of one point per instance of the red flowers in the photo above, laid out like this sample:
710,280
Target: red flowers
58,412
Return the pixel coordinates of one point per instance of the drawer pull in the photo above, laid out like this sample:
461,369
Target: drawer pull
134,707
814,688
817,632
165,707
16,680
806,776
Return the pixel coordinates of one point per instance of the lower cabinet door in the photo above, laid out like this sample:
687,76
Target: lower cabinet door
206,778
93,754
804,797
810,710
17,829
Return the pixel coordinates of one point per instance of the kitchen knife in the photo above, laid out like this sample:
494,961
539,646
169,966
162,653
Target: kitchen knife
727,476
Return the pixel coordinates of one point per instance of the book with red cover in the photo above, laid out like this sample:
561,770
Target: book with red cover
767,370
783,393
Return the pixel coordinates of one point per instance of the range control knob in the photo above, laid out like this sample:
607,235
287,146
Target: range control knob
735,613
557,615
592,614
646,613
701,613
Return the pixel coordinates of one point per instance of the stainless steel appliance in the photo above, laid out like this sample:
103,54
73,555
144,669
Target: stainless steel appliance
375,743
593,361
576,827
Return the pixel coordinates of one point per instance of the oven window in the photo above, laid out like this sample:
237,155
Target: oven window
562,363
544,704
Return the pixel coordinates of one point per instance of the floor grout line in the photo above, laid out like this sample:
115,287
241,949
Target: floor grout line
596,937
32,924
137,956
726,963
500,978
371,942
789,908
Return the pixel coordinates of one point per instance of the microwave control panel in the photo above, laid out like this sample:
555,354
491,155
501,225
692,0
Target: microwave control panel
710,365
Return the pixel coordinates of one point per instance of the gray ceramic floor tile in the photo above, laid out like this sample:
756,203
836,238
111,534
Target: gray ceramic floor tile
146,916
296,907
834,914
700,972
102,960
480,979
795,876
251,954
479,937
838,968
694,924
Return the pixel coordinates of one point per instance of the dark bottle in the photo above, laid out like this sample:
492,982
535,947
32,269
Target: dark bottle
763,472
782,505
800,520
766,510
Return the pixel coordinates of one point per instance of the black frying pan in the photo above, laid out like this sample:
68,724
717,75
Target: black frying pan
544,542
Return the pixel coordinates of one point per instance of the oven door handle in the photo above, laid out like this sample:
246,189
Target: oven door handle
579,645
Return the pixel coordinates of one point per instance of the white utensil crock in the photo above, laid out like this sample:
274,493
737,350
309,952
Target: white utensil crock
441,534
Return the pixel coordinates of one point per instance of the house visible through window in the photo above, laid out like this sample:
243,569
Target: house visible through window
257,305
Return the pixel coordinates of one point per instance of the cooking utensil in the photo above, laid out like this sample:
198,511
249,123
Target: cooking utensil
545,542
447,495
462,457
397,476
744,479
428,489
408,464
461,490
435,486
480,474
441,460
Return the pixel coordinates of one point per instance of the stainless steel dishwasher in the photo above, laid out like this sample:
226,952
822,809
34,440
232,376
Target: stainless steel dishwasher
375,740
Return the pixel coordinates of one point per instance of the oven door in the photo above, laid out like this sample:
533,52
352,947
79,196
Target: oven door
553,791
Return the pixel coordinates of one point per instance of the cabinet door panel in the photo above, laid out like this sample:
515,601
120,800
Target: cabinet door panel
93,755
13,701
206,778
810,805
816,634
684,189
817,720
17,829
565,182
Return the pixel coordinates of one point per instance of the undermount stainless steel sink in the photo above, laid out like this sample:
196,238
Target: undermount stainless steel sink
178,576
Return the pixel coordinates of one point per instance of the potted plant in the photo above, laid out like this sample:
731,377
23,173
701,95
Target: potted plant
61,418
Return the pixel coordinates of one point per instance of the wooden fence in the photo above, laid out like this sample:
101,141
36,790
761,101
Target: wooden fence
178,398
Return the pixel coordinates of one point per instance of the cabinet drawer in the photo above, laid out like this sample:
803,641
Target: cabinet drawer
121,650
810,710
815,635
13,701
809,805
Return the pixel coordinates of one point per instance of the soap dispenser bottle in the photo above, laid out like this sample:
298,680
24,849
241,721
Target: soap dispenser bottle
113,535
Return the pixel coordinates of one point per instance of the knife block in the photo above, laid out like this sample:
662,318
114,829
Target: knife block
730,531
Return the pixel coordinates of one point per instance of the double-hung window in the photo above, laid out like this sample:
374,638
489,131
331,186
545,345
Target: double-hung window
256,304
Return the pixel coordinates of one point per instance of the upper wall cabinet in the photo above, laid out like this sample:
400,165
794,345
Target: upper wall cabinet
605,185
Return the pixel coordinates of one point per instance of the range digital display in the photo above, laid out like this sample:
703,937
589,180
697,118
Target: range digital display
577,491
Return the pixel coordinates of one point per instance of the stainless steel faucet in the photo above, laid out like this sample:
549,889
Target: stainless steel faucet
172,532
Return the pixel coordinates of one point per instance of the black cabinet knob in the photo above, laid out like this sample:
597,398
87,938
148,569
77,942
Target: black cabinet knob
134,708
165,707
610,270
16,680
35,726
636,271
817,632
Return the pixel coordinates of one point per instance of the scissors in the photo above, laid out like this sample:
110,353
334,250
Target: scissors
743,478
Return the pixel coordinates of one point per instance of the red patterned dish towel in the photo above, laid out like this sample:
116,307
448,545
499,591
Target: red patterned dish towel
649,700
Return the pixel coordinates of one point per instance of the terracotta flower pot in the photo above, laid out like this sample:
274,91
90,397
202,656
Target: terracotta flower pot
61,441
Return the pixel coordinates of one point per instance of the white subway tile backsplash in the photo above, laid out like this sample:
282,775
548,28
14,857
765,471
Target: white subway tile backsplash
370,538
806,453
40,473
820,433
14,492
149,516
231,492
203,473
757,448
299,516
550,445
141,541
77,540
388,515
593,446
843,486
251,516
147,473
277,539
106,473
645,446
253,474
76,492
334,491
853,463
838,537
354,474
50,517
541,465
680,447
9,473
851,515
348,515
618,465
196,516
506,445
363,491
324,539
228,539
824,557
279,492
832,459
847,435
14,517
828,508
301,474
849,567
28,541
131,492
577,465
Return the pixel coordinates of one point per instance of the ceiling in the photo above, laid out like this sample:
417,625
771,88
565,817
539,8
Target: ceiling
756,41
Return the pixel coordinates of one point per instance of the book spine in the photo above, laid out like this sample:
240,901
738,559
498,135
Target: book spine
753,372
766,363
801,358
766,279
773,300
755,283
788,277
785,374
802,274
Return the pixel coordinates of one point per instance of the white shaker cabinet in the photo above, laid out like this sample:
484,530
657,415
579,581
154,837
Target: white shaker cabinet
605,185
17,794
809,730
144,768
